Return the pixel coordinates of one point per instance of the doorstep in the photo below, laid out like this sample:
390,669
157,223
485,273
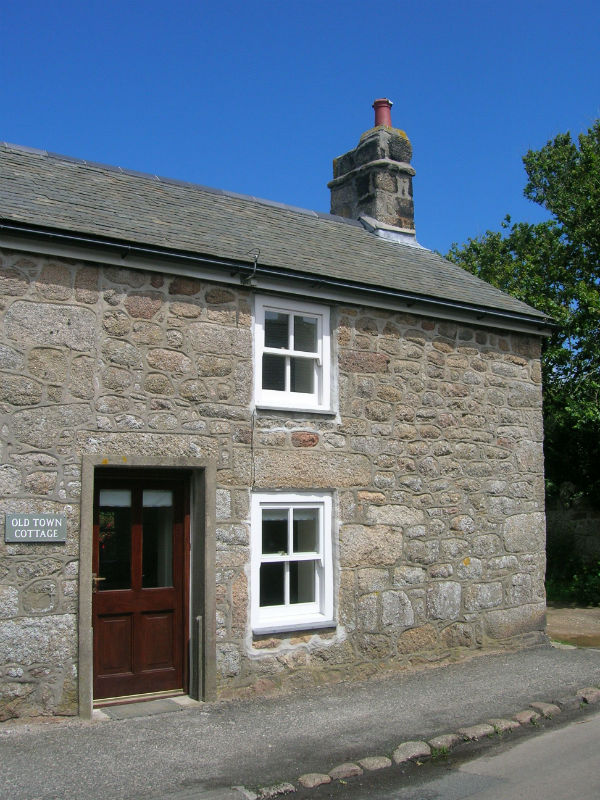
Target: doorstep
144,708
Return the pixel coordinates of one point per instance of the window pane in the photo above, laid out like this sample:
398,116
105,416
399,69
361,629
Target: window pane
302,581
302,375
157,542
305,334
114,498
306,521
275,531
114,548
276,329
273,372
272,584
155,498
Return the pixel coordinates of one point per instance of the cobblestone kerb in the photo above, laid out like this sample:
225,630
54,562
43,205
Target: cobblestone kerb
493,730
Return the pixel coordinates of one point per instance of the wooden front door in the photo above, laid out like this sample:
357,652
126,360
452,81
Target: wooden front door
140,591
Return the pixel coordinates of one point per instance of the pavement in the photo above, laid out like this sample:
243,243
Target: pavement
180,750
574,625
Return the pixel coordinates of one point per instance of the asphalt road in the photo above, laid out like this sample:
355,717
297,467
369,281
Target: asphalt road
554,764
266,740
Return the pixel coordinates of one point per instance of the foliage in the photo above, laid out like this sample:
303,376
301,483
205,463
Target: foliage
581,585
555,267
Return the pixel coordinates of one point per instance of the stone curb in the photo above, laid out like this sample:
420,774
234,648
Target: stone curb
476,732
414,750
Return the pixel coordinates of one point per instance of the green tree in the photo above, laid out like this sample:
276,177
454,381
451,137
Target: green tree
555,267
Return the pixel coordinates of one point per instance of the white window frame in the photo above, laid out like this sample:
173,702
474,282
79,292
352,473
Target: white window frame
297,616
320,399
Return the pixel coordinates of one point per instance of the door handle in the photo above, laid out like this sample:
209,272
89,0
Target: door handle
95,580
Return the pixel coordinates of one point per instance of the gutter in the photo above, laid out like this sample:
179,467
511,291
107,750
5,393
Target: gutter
250,271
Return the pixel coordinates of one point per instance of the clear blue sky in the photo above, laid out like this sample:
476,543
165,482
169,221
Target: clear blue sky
258,96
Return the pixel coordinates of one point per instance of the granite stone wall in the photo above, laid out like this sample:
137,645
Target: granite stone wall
433,456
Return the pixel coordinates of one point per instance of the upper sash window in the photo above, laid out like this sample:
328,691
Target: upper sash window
293,359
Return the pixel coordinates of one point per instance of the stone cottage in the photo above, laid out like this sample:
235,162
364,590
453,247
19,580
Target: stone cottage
248,447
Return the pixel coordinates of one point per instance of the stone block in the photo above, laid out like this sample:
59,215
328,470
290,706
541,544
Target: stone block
12,282
525,533
40,483
479,596
368,612
276,790
475,732
82,377
42,427
394,515
18,390
115,379
590,694
54,281
372,763
504,623
353,361
409,576
525,717
310,469
397,611
51,325
523,588
462,634
422,552
169,361
86,285
312,779
143,305
445,741
41,597
10,480
369,545
410,751
157,383
47,639
373,646
548,710
443,600
304,439
10,359
9,601
441,571
210,366
452,548
418,640
346,770
126,277
228,660
502,564
373,580
503,725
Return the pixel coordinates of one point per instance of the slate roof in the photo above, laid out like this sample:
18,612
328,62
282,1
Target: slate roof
57,192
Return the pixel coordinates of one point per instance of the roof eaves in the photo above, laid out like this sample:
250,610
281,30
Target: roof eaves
538,320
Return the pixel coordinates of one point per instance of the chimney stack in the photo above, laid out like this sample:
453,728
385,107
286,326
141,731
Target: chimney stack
373,182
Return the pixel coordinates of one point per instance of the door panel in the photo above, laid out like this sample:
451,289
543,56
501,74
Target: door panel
157,634
115,651
141,539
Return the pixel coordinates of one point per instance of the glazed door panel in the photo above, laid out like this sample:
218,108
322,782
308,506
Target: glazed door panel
140,565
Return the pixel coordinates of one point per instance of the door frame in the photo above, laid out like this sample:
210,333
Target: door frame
202,618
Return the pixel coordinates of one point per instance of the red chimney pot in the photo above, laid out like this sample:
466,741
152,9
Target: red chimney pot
382,108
